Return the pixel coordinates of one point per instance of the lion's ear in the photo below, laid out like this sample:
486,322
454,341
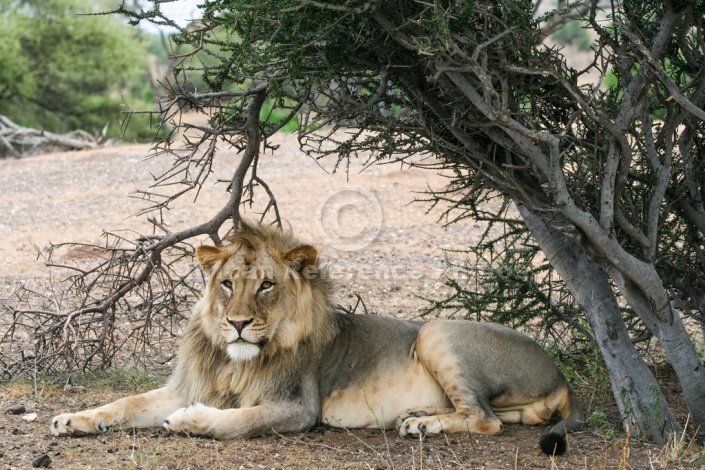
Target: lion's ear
301,257
208,256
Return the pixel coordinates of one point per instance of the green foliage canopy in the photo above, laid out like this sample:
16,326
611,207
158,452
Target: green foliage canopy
471,83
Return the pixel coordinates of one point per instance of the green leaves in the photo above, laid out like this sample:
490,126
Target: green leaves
472,84
61,70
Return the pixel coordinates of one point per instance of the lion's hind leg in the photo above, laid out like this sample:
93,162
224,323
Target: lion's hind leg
420,412
465,420
536,412
471,410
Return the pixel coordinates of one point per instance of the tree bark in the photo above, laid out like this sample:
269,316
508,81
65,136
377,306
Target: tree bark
638,396
678,346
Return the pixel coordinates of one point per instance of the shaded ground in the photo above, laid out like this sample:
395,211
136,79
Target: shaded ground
516,447
74,196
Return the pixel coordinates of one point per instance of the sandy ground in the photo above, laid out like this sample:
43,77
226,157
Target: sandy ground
364,223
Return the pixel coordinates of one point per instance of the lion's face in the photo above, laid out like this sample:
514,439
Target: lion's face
259,298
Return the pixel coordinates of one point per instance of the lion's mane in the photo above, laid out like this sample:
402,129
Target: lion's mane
204,372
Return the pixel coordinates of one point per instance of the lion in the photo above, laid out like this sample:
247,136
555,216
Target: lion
265,351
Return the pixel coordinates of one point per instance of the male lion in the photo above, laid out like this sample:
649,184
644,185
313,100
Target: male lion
266,352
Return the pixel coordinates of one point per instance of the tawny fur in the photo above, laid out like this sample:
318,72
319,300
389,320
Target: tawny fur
265,351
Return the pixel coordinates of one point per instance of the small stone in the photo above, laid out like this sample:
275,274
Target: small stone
30,417
43,461
16,409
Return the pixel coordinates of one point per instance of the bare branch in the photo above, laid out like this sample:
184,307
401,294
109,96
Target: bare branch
656,68
145,275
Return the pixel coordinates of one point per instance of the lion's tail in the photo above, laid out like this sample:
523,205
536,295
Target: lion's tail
554,443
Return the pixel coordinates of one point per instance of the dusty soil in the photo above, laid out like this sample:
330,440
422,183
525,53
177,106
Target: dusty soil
75,196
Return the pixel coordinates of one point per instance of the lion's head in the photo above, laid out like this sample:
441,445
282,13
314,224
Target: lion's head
265,293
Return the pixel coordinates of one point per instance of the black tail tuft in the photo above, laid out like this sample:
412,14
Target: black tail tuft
553,444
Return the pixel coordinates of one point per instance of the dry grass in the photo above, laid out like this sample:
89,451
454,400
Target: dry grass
681,451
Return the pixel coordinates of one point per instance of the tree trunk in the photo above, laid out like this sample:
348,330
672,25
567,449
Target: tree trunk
638,396
678,346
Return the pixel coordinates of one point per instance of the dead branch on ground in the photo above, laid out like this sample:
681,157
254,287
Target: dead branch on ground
18,141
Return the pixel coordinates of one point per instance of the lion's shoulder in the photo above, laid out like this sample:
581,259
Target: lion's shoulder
364,343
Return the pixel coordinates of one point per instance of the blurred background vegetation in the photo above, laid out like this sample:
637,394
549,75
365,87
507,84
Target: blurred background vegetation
63,68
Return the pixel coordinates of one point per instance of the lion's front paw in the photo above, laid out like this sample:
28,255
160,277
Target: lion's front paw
420,426
194,420
77,424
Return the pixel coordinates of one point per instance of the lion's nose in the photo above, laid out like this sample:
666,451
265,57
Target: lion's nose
240,325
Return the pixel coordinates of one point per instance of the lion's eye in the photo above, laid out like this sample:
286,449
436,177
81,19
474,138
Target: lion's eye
227,284
266,285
